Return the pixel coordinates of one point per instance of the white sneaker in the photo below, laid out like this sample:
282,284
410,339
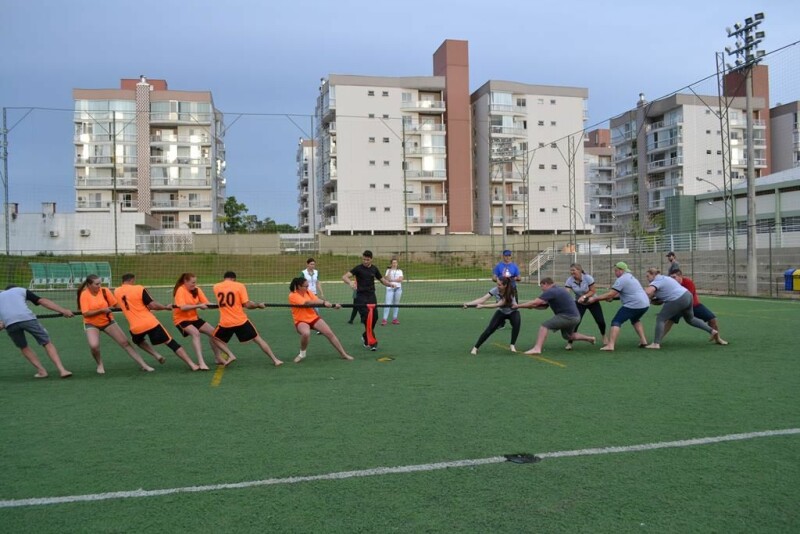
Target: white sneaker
568,346
513,348
474,351
299,358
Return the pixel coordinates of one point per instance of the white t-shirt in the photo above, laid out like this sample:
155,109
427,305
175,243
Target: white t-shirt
312,280
393,275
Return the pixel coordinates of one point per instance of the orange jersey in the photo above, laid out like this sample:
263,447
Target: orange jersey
183,298
131,298
302,315
103,299
231,297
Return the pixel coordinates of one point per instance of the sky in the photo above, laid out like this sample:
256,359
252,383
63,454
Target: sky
263,61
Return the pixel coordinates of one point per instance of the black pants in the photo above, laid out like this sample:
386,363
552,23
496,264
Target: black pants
597,312
498,319
360,303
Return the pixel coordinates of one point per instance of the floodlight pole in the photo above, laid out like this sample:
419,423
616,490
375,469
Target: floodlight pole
4,155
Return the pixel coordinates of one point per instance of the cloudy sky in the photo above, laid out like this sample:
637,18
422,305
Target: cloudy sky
263,61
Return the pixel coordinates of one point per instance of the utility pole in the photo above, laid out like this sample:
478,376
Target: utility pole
4,154
747,41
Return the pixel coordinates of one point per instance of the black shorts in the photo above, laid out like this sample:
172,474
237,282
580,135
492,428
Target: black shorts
198,323
244,332
158,335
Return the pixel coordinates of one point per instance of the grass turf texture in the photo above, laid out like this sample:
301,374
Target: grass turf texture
433,403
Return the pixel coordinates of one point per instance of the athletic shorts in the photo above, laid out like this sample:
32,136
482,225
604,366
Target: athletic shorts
565,323
158,335
244,332
700,311
198,323
87,326
17,331
628,314
311,324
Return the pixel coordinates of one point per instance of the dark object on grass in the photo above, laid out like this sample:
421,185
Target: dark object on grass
522,458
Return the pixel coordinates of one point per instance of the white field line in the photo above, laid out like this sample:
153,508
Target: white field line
18,503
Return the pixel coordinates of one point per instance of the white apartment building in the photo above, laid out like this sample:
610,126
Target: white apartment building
785,140
307,189
143,148
382,162
673,146
527,142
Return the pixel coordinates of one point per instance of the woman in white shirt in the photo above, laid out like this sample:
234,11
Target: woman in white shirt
393,275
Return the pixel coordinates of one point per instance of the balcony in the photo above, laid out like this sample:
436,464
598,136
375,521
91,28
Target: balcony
173,138
510,198
664,144
181,204
618,137
424,106
426,175
510,221
411,128
508,131
507,176
655,205
426,151
174,183
508,108
100,205
660,125
166,160
333,219
665,163
424,198
330,199
437,220
123,182
105,160
172,117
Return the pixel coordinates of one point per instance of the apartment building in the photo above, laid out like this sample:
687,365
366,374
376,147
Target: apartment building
307,187
599,181
148,149
384,145
785,127
528,153
673,146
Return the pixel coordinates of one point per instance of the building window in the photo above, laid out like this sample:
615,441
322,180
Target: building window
372,208
372,186
385,139
541,188
372,163
195,221
708,171
387,209
555,210
167,221
385,115
553,101
719,152
553,145
386,163
540,100
541,145
708,151
521,103
385,93
541,210
370,93
554,166
552,123
708,132
540,123
541,165
371,115
386,186
371,139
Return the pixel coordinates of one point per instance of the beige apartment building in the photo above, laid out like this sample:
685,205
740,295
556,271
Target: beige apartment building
785,126
147,149
307,219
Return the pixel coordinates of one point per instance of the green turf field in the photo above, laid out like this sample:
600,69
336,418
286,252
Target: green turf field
432,402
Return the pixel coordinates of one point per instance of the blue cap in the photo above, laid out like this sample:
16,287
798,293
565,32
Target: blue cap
506,253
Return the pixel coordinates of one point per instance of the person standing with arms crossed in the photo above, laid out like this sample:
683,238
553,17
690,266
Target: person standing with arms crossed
365,275
16,318
393,274
232,299
137,306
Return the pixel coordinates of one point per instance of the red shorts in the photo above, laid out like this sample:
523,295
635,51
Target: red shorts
311,324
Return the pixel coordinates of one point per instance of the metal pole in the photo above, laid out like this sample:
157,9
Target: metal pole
114,177
5,183
405,186
752,265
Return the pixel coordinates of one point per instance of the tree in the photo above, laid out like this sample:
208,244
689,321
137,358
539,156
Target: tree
235,220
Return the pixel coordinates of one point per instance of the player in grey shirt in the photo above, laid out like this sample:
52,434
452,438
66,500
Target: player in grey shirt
635,304
677,300
16,318
505,296
566,316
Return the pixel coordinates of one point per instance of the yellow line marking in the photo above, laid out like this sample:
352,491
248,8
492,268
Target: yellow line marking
534,356
217,376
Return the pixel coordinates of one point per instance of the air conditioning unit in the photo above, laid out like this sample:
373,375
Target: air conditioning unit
85,232
53,233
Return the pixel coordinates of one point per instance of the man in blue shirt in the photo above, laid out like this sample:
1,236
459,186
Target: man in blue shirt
16,318
506,269
566,316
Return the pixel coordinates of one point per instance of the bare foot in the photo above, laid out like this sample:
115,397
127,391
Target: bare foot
230,361
66,374
40,374
277,363
653,346
147,369
607,347
533,351
348,358
720,341
162,360
202,366
101,370
605,340
593,341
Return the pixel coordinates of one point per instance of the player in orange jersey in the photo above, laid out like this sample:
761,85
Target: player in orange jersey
306,319
95,303
137,306
232,299
187,298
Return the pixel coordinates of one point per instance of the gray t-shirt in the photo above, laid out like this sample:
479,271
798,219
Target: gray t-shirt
579,288
13,308
667,289
631,292
495,292
560,301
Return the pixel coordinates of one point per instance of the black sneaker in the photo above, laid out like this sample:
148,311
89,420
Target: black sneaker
374,347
